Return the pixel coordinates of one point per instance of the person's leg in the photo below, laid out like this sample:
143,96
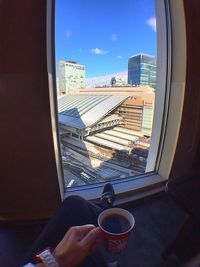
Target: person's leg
74,211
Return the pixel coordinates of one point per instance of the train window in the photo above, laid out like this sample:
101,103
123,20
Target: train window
110,92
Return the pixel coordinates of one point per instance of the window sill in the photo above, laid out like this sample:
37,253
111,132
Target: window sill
126,190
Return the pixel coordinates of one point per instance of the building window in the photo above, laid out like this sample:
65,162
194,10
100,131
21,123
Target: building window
107,89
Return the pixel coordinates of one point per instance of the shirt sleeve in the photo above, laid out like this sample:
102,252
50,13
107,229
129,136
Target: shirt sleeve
28,265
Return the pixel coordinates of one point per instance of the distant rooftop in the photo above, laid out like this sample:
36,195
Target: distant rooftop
142,54
70,61
73,62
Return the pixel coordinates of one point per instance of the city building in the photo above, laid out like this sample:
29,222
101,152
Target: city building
131,112
142,70
107,128
143,91
71,77
118,81
88,113
146,94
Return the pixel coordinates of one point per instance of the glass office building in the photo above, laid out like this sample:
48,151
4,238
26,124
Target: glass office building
142,70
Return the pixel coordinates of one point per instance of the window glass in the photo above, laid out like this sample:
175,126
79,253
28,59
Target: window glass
106,87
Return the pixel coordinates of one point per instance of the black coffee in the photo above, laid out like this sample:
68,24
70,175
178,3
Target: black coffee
115,224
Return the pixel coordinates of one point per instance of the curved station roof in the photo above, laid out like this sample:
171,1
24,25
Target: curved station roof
81,111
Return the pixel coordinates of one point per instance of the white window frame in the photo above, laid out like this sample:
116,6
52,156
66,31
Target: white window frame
171,70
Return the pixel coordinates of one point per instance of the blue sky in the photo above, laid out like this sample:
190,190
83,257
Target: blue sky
103,34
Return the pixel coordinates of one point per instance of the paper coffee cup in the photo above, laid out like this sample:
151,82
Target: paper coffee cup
115,235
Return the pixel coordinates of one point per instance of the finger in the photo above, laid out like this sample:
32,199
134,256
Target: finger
77,233
90,239
67,235
86,227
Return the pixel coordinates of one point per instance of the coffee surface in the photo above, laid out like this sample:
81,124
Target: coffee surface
116,224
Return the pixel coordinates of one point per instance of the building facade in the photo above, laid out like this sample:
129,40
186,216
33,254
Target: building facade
105,129
71,77
118,81
142,70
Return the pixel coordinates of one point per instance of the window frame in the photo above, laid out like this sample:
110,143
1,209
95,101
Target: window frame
167,14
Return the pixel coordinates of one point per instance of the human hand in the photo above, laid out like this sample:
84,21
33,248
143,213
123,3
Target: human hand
76,245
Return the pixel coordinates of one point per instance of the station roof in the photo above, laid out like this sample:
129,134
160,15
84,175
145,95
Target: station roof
81,111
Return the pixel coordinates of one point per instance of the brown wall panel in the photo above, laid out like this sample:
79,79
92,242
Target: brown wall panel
29,186
186,160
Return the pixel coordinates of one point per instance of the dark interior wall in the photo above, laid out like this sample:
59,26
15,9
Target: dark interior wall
29,185
187,156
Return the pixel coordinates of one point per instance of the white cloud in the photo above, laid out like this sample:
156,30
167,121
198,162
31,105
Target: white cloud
152,23
98,51
68,33
114,37
120,57
105,80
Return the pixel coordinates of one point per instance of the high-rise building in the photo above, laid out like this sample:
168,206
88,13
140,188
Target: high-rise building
71,77
142,70
118,81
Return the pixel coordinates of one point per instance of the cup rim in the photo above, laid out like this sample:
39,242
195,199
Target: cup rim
117,211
